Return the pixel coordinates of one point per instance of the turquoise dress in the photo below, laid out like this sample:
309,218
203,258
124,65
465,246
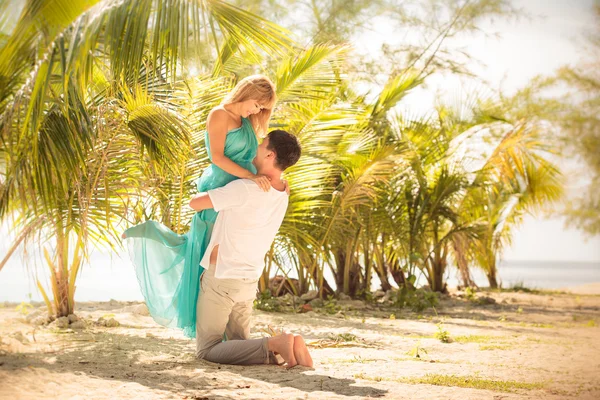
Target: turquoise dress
167,264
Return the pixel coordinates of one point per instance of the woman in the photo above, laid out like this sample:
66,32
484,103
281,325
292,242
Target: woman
167,265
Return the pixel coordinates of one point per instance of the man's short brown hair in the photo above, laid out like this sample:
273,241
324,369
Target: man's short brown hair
286,147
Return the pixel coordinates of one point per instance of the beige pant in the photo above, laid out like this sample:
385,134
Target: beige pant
225,306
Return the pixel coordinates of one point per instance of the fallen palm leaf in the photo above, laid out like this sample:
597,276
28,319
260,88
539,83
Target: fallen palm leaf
342,341
269,330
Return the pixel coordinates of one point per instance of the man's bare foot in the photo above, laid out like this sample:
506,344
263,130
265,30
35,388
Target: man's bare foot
301,352
284,345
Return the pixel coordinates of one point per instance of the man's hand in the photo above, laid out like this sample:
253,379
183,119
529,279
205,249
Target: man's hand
287,186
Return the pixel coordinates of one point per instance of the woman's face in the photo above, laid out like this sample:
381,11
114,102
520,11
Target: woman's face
250,107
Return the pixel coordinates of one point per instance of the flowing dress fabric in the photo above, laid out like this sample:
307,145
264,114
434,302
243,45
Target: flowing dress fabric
167,264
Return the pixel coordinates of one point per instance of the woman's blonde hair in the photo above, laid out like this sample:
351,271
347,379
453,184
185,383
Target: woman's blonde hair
261,89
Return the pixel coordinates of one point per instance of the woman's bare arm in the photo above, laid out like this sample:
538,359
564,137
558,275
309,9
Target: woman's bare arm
201,202
217,133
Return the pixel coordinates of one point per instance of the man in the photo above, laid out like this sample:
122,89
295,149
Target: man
248,221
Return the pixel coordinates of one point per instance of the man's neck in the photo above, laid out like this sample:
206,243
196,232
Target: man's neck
275,176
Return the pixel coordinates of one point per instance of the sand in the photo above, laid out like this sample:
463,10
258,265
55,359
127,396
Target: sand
589,288
523,346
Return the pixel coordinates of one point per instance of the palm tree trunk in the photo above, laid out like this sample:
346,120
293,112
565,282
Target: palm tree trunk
303,276
381,267
381,271
340,262
347,273
263,282
438,268
355,279
63,285
315,273
366,287
460,245
492,280
351,269
466,278
438,264
322,285
347,268
61,276
438,280
398,275
326,289
491,269
492,273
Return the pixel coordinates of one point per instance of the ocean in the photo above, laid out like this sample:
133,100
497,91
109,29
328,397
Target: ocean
539,274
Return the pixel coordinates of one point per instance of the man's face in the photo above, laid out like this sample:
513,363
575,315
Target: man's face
262,154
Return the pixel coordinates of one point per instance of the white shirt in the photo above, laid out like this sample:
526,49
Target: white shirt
246,225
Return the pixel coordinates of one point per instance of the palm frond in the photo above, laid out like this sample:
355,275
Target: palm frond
395,89
311,74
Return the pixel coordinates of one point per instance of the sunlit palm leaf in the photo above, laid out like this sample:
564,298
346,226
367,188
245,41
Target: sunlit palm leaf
311,74
248,30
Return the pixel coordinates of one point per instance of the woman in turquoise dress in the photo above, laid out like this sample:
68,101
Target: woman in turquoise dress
167,264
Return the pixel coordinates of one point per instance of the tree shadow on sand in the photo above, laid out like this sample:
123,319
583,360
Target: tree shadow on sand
307,382
123,357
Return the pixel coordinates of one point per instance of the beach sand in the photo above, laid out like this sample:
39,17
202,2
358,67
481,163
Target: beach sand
523,346
589,288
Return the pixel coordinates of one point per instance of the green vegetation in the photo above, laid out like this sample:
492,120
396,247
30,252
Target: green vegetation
343,337
470,294
358,360
266,302
472,382
330,305
494,347
417,351
24,308
532,325
474,339
442,334
416,299
520,287
103,118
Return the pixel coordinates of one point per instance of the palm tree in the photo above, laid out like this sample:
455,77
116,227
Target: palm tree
102,114
336,183
102,107
446,203
515,178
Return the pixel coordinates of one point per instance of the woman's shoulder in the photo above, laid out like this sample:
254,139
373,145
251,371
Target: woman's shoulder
218,113
219,120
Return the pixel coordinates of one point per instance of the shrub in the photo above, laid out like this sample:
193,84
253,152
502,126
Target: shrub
442,335
417,299
266,302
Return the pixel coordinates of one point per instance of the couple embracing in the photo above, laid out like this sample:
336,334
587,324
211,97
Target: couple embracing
205,280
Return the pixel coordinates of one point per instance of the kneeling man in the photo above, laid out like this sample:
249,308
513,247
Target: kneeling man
246,225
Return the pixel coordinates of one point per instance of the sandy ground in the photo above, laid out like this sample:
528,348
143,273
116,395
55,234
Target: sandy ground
524,346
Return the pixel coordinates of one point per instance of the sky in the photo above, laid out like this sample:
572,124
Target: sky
552,36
